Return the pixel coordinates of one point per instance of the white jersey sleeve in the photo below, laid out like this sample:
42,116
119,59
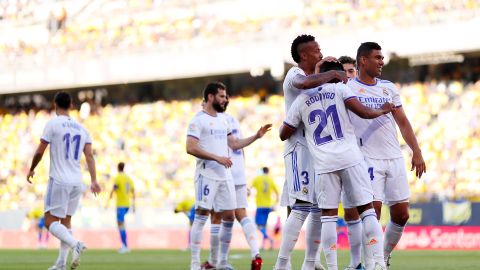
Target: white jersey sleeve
294,116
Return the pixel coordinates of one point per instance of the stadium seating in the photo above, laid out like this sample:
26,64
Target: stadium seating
150,138
137,24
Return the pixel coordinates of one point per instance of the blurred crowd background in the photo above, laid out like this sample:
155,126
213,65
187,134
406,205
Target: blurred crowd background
150,138
48,45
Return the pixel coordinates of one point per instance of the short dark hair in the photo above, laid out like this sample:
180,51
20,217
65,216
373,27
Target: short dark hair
265,170
346,60
327,66
366,48
63,100
212,88
297,42
121,166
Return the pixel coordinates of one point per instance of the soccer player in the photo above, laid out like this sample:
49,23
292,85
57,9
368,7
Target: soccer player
338,162
348,64
240,181
208,138
67,139
124,190
186,206
298,187
352,218
36,215
379,143
265,186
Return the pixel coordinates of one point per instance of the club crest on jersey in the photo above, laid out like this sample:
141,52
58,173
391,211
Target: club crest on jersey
385,91
305,190
362,90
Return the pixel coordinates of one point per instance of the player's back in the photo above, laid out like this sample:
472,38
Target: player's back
329,133
124,187
67,139
265,186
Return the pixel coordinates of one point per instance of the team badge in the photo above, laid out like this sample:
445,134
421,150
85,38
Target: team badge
362,90
305,190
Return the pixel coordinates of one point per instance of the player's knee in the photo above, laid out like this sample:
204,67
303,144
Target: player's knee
351,214
228,216
401,218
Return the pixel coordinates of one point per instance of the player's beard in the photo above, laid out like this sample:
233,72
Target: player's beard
217,107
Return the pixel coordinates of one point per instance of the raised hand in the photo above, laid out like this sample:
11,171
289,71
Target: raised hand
264,129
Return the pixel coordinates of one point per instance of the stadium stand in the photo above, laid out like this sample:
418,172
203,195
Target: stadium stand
445,117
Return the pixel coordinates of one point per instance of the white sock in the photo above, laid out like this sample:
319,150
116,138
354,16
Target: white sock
393,233
196,237
214,243
318,259
355,235
250,235
225,239
329,241
313,238
63,252
374,235
290,234
61,232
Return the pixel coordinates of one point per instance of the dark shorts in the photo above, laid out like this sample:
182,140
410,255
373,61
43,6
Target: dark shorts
41,223
191,214
121,212
261,216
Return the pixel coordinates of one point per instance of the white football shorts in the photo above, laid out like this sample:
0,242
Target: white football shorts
353,181
389,180
218,195
241,196
62,200
299,177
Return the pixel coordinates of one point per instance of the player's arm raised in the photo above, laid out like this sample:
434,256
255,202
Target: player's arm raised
314,80
37,157
236,143
194,149
409,136
354,105
87,151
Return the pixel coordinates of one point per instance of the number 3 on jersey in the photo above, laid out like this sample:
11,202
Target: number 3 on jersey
76,140
323,115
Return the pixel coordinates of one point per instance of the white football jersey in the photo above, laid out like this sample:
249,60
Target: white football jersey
377,137
67,139
290,93
211,133
237,157
328,131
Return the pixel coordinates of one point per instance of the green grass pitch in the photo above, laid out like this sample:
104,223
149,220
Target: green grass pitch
179,260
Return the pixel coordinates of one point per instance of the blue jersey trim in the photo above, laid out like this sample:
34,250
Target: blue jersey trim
289,125
357,80
193,136
349,98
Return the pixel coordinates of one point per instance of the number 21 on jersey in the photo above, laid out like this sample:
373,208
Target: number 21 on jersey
330,112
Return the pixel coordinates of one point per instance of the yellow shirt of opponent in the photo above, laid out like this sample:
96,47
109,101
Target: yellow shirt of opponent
124,189
185,205
265,186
